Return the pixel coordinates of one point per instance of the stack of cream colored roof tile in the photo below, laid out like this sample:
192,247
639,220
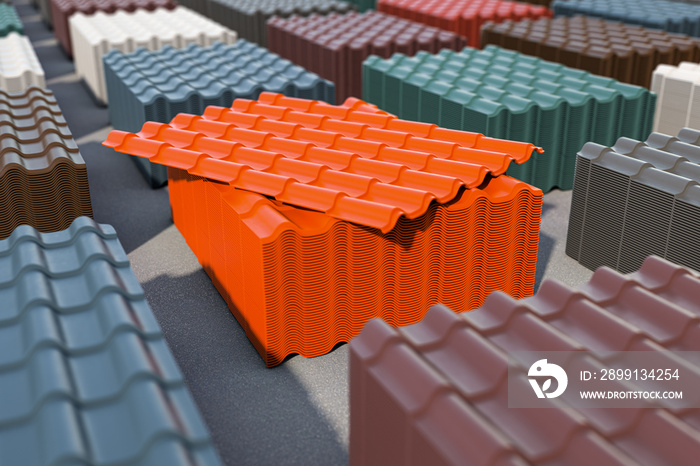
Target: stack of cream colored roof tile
19,65
95,35
678,88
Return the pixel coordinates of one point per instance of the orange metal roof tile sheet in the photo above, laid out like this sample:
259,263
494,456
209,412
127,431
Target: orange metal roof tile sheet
352,162
281,188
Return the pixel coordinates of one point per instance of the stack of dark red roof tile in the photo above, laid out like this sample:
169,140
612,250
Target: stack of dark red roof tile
625,52
371,216
335,46
43,178
438,392
62,10
464,17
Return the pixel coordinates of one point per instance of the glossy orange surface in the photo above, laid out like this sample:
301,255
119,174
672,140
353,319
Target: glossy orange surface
308,232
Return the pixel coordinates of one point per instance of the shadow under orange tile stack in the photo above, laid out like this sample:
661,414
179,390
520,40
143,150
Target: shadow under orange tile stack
311,218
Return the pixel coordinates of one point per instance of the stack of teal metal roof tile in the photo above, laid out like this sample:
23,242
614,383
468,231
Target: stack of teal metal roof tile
9,20
364,5
637,199
85,374
508,95
155,86
668,15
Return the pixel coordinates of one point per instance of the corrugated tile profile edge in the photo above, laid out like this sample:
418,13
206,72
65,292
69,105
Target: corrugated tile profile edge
201,164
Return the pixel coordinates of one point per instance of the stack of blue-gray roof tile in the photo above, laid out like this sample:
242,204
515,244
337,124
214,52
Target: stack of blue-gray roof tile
85,374
668,15
637,199
155,86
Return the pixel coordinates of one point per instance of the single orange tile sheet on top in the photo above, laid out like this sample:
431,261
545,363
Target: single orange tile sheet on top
312,218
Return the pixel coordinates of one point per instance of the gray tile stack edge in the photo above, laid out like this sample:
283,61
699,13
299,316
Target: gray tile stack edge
631,200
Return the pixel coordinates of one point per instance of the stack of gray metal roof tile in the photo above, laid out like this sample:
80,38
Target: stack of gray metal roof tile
670,16
249,17
636,199
156,86
438,392
44,7
200,6
85,374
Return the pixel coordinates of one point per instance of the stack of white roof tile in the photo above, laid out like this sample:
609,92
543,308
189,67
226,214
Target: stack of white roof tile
19,65
678,104
95,35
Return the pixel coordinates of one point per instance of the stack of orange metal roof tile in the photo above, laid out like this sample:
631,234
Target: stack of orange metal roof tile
43,178
334,46
438,392
312,218
464,17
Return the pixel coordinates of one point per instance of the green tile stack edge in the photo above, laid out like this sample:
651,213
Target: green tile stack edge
508,95
9,20
364,5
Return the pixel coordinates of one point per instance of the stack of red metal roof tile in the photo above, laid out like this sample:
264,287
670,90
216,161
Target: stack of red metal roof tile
43,178
62,10
464,17
625,52
438,392
334,46
371,216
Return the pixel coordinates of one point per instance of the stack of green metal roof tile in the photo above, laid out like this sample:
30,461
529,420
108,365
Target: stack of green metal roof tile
156,86
86,376
364,5
508,95
637,199
9,20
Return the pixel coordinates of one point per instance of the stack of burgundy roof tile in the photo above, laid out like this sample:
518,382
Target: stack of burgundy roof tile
464,17
334,46
43,178
312,218
62,10
625,52
438,392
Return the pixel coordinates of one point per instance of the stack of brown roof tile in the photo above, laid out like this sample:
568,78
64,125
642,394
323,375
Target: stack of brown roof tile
464,17
43,178
438,392
312,218
625,52
335,46
62,10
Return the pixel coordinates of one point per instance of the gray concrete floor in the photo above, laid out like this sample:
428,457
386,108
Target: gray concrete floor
296,413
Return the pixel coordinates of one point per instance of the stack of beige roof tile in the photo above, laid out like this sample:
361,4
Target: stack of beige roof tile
19,65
